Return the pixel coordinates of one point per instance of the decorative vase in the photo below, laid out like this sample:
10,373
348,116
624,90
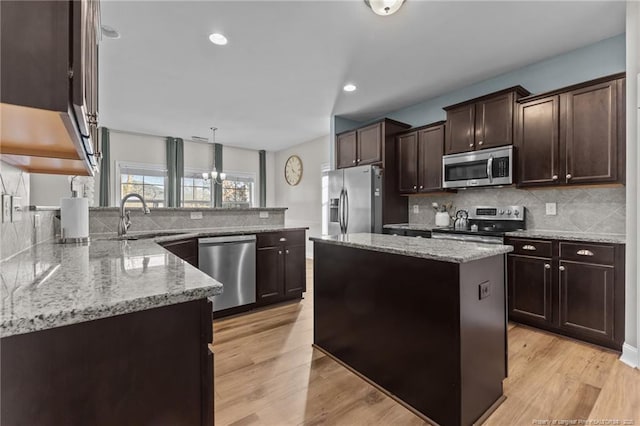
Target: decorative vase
442,219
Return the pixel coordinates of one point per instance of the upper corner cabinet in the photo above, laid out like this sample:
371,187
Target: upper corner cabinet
49,85
484,122
371,144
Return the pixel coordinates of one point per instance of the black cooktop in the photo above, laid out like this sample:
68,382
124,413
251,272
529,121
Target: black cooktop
486,228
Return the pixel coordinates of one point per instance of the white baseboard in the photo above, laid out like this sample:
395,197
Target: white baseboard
629,355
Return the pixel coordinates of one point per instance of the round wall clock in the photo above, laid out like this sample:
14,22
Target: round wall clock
293,170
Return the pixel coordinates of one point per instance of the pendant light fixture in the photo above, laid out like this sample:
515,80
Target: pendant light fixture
384,7
217,177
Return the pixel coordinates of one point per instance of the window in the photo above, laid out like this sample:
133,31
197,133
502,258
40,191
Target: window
196,192
148,180
238,190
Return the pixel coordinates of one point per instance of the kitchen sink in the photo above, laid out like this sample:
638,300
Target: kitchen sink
145,236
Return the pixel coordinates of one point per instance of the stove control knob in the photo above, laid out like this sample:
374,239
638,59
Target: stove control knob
516,212
508,212
501,212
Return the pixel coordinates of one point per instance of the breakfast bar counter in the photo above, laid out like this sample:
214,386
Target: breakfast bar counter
423,320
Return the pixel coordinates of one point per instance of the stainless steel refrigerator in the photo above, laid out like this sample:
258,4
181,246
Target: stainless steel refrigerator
355,200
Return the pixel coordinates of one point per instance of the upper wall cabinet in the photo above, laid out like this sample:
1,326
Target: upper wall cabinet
484,122
420,159
49,85
573,135
367,145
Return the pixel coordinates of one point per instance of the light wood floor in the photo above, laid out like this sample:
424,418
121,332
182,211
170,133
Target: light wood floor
267,373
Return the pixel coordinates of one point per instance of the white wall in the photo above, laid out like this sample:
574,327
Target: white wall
305,199
630,353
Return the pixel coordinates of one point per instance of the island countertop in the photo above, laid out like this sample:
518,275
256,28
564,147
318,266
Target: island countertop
52,285
426,248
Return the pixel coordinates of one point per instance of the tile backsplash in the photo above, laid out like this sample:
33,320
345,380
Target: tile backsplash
597,209
19,235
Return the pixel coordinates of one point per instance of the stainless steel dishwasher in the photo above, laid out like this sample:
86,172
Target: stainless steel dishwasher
232,261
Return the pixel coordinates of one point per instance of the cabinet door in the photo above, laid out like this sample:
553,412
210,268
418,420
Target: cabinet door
430,150
408,162
460,129
346,147
591,133
529,280
494,122
269,274
369,144
537,140
295,276
586,299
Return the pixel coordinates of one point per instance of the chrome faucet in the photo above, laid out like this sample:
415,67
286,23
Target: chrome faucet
125,217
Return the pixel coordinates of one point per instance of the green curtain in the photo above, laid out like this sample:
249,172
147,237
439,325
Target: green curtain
217,163
263,177
105,171
179,147
175,171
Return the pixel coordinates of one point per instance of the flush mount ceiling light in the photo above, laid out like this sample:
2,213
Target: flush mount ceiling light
384,7
349,87
217,38
109,32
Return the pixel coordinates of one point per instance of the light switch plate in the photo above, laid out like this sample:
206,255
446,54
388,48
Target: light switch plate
551,209
36,221
16,209
416,209
6,208
264,215
196,215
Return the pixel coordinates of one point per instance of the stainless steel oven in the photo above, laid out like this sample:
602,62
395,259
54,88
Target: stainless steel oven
479,168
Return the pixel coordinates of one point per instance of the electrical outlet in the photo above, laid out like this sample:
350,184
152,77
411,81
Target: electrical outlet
36,221
551,209
6,208
16,209
264,215
416,209
196,215
484,290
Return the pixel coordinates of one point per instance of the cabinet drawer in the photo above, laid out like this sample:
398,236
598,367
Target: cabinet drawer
539,248
588,253
271,239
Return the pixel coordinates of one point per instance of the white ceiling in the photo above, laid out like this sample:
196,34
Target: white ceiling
280,78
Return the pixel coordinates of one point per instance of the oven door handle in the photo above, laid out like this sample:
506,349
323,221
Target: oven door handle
490,168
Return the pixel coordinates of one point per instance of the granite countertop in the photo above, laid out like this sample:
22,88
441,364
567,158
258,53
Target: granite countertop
181,234
427,248
411,226
52,285
569,235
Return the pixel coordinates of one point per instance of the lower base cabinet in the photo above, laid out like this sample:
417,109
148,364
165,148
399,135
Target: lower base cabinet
571,288
280,266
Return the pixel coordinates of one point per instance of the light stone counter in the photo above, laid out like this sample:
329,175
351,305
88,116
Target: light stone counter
426,248
569,236
52,285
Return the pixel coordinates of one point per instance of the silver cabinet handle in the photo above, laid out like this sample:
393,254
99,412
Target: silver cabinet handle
480,143
283,239
562,268
584,253
569,176
286,251
415,187
353,162
279,251
359,160
528,247
470,145
421,186
554,177
547,266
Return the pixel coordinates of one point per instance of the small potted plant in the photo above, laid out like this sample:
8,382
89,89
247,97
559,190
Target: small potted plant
443,214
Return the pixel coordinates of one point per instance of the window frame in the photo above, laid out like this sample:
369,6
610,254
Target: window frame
187,173
120,165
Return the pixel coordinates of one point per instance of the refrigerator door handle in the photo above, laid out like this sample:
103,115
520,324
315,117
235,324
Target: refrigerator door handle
346,211
341,211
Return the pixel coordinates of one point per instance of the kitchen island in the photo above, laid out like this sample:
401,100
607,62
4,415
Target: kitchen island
422,319
113,332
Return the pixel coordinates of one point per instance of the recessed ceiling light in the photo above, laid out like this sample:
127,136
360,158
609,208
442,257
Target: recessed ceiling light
218,39
384,7
109,32
349,87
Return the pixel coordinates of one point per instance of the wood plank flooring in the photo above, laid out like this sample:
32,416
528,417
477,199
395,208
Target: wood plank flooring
267,373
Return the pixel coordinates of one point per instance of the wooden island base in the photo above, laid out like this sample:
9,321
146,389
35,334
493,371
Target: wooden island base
419,329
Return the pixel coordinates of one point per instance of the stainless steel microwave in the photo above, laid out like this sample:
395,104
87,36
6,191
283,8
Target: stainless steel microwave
487,167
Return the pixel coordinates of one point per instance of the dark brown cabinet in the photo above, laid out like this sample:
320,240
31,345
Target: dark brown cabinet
484,122
573,135
49,85
568,287
280,266
369,144
420,159
346,150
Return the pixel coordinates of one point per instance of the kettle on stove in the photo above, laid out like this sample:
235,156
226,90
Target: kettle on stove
462,220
